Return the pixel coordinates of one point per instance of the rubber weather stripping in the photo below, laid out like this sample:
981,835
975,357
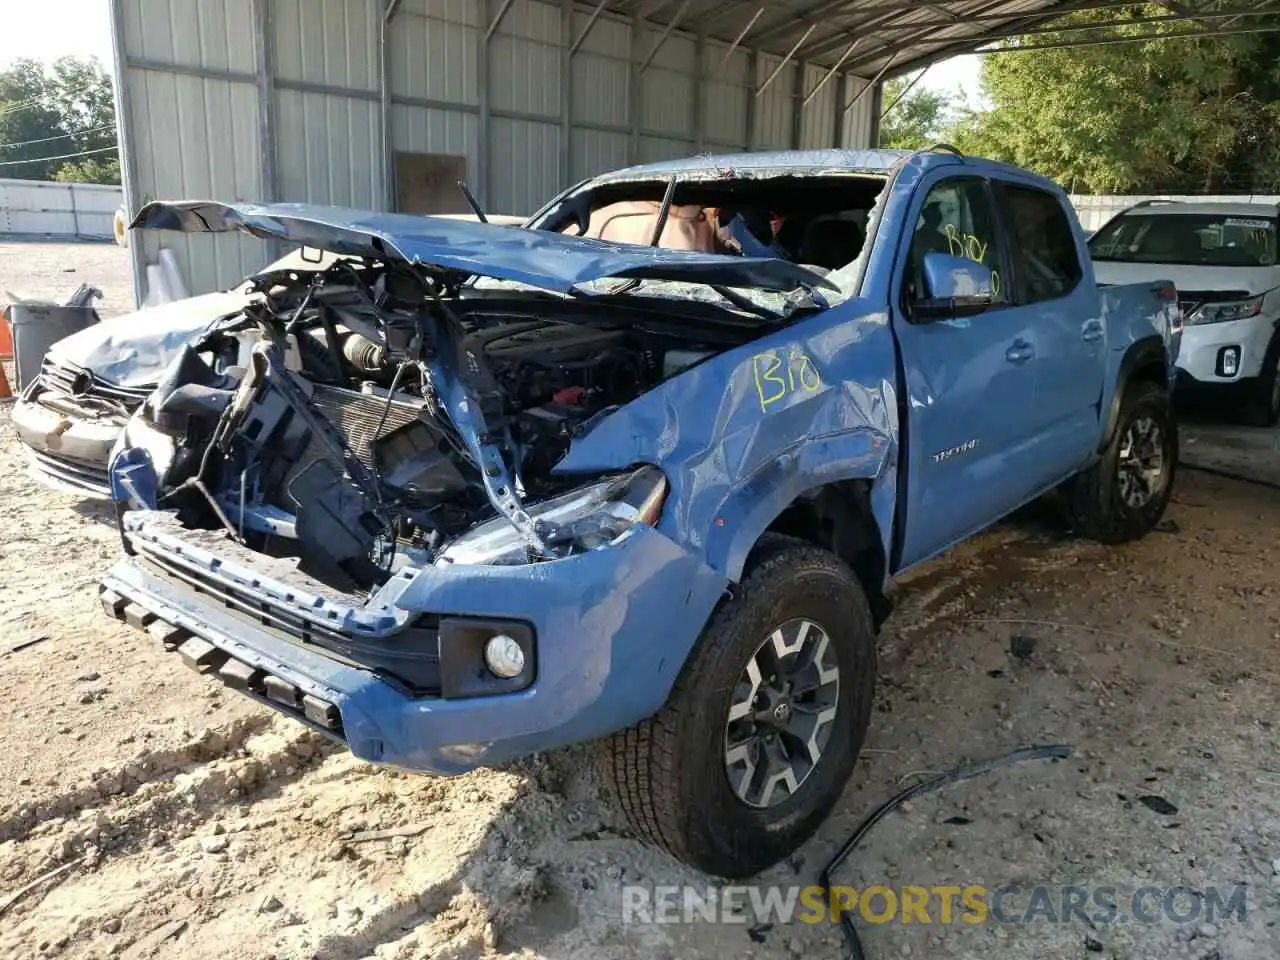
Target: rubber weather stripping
964,772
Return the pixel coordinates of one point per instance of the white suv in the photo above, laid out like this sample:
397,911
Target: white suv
1222,256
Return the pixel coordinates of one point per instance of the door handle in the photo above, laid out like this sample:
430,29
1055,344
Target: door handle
1092,331
1019,352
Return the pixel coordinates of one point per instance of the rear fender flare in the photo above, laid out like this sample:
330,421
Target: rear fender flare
1145,354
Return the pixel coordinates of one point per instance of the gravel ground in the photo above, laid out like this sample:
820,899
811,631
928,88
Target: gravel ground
43,270
193,824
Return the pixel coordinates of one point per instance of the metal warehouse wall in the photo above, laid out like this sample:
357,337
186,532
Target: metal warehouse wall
284,100
45,208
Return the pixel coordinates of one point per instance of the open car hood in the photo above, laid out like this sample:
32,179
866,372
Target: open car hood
551,261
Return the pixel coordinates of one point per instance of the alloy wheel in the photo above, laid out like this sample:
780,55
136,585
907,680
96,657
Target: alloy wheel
784,705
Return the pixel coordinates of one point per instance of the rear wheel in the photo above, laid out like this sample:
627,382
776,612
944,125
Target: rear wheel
1124,494
761,731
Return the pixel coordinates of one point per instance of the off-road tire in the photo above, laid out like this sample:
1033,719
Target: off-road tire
1261,404
1094,501
669,771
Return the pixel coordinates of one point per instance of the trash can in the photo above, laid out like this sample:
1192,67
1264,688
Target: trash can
38,326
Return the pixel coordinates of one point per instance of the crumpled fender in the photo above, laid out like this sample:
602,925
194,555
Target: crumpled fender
740,436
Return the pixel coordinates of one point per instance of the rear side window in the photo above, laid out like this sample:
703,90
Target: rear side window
956,219
1044,245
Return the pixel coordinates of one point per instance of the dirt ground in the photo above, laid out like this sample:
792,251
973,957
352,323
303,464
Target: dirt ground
188,822
44,270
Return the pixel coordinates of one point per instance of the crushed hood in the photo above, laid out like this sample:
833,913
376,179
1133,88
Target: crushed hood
544,259
134,349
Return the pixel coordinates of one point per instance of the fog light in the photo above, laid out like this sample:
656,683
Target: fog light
503,657
1228,361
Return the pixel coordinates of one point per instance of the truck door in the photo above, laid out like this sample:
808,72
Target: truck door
970,381
1070,366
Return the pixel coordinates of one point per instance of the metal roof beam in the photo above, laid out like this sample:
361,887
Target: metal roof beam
785,60
898,47
971,44
981,15
1022,26
1105,41
591,22
826,77
1186,14
737,40
1029,31
671,25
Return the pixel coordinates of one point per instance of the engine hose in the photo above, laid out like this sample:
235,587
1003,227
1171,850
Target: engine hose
965,772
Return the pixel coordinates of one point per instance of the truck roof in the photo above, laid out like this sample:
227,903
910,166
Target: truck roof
1187,207
781,163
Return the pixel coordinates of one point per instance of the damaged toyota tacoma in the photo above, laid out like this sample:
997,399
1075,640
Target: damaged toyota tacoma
470,493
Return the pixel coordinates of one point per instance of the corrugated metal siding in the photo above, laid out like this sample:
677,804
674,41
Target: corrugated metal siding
329,149
600,74
773,107
216,34
193,102
595,151
434,52
857,118
818,119
725,94
330,42
44,208
524,157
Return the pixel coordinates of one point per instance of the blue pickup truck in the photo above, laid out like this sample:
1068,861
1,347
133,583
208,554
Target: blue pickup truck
458,493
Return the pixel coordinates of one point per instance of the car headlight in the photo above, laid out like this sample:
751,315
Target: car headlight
584,519
1222,312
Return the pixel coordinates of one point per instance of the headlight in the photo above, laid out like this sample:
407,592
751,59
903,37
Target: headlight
1222,312
591,517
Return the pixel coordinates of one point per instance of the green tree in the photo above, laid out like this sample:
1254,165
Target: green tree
914,117
65,109
1171,116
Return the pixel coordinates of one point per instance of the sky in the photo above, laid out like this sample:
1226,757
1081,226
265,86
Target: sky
48,29
959,74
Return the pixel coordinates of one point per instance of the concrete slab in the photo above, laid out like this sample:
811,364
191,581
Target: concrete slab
1252,453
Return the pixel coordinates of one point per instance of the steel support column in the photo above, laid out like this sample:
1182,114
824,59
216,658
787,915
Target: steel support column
699,93
264,75
842,92
384,105
797,105
566,92
124,136
877,106
634,93
753,70
484,135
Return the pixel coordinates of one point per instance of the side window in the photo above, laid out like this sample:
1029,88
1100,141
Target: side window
957,219
1044,248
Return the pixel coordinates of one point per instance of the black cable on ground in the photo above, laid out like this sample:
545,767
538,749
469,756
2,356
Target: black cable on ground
965,772
1216,472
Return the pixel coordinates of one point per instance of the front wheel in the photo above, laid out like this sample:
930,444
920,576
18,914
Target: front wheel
763,727
1124,495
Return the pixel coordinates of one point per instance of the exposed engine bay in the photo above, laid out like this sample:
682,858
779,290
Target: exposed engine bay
365,415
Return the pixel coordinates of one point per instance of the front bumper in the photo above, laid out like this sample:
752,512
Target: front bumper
613,628
1202,345
66,451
